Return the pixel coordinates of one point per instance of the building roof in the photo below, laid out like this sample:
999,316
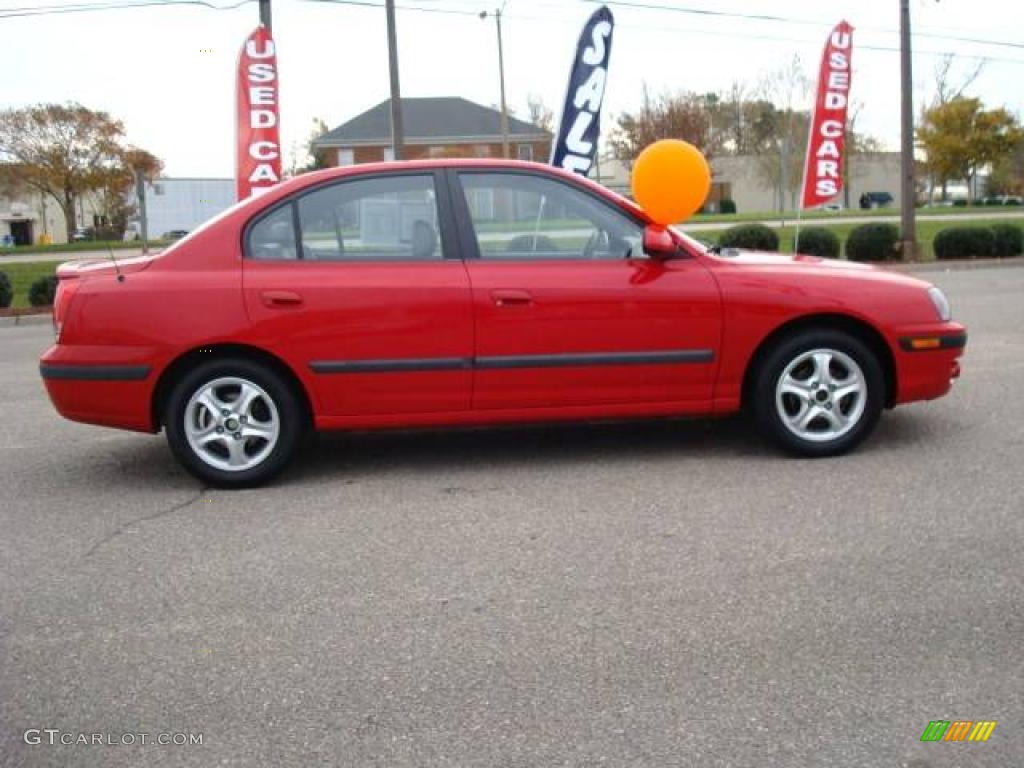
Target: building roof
430,120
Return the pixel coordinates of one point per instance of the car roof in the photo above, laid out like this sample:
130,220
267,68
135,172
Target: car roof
397,166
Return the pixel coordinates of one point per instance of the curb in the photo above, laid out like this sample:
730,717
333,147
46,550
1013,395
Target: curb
12,321
954,265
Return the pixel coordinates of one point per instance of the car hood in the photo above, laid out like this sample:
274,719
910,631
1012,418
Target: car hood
802,264
765,258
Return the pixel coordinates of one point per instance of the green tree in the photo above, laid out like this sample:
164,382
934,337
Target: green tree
960,137
306,158
1007,176
62,150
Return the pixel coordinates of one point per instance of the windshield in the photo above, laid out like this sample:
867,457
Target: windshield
697,245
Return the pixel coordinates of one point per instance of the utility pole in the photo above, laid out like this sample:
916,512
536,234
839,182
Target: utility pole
501,79
783,172
908,192
265,15
140,194
397,130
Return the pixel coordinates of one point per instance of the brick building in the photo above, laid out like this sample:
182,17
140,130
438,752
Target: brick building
434,127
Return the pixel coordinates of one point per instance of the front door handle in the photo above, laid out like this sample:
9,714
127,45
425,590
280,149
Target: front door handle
511,298
279,299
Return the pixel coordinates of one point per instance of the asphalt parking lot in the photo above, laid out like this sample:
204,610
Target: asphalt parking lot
655,594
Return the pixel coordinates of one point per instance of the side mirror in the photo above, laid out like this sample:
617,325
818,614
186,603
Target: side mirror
658,243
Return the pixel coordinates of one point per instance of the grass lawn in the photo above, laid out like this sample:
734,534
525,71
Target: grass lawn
84,245
22,276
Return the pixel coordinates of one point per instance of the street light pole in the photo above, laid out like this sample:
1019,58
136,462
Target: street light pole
397,129
908,193
265,14
501,78
140,196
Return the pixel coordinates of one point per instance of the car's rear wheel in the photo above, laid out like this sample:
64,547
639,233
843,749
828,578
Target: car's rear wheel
819,392
233,423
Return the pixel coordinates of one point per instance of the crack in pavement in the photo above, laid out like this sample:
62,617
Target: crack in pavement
129,524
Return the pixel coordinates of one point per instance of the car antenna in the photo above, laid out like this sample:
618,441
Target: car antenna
117,267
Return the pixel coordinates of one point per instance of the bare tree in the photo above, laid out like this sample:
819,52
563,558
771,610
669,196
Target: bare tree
669,116
948,85
539,113
781,160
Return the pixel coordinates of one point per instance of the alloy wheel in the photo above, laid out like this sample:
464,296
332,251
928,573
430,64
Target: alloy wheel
232,424
821,395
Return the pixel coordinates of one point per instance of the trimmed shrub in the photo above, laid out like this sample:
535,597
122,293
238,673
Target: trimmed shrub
6,294
1008,240
727,206
964,243
756,237
42,291
872,242
818,241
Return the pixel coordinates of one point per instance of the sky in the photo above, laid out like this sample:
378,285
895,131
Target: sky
168,71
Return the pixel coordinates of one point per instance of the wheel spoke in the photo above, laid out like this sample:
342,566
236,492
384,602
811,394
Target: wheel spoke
209,401
836,419
236,453
845,391
791,386
260,430
246,397
809,416
205,436
795,418
822,363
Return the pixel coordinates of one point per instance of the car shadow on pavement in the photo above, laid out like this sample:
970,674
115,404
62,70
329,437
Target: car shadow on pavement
332,455
541,446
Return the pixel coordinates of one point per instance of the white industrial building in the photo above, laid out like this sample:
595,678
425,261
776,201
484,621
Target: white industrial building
183,203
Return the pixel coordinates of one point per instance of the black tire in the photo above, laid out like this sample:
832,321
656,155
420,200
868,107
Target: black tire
291,423
790,350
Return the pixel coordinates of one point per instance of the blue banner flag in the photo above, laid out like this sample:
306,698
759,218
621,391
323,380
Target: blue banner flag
578,130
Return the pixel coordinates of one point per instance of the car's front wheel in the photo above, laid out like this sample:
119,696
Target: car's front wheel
819,392
233,423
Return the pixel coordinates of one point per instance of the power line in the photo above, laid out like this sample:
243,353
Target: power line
790,20
111,5
57,10
368,4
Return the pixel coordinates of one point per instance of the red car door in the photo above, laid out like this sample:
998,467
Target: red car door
568,309
360,283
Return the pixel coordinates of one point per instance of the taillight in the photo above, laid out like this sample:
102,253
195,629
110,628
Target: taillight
66,288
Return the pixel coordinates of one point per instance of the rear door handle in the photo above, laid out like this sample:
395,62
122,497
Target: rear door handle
511,298
279,299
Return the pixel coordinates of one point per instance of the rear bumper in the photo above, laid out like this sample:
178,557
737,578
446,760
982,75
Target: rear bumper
928,360
111,387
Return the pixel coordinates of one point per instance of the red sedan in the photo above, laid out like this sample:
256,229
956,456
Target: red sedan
468,292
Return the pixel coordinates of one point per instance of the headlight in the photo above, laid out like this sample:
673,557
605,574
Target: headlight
941,304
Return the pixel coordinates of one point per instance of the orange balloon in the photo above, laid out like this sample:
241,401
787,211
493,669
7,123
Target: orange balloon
671,180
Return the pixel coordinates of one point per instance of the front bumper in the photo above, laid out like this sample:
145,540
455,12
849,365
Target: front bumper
928,360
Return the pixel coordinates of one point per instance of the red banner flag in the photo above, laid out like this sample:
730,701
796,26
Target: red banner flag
258,164
823,175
